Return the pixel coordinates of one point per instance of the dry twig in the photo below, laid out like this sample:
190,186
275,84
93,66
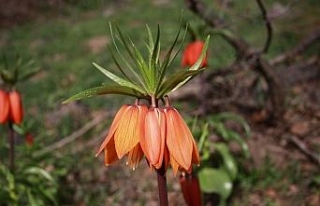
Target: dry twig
75,135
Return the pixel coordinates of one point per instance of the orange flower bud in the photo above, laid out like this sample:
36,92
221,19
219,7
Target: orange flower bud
16,110
192,53
190,189
4,106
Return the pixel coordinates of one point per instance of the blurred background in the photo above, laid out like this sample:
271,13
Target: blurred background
276,147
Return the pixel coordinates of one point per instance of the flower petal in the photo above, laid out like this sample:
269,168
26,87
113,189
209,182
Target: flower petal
125,137
179,138
113,128
153,142
110,155
135,156
174,165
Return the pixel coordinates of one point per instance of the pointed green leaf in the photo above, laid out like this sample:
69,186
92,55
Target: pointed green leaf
117,79
106,89
167,61
124,60
175,81
135,56
154,73
197,65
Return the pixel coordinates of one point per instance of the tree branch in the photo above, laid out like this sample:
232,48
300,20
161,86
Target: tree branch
267,24
75,135
303,147
303,45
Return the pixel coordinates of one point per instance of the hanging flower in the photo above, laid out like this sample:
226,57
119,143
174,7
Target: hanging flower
4,106
182,148
153,140
16,110
124,135
159,134
192,53
190,189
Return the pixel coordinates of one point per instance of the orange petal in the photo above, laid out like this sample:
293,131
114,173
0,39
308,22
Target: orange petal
153,142
113,127
126,137
179,138
110,155
135,156
174,165
166,158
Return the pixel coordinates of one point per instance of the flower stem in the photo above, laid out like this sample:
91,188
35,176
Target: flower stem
162,186
11,147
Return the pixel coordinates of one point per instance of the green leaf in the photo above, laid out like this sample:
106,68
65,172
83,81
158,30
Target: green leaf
203,137
153,66
215,181
106,89
124,60
136,57
117,79
197,65
40,172
32,201
228,134
229,163
167,61
174,82
236,118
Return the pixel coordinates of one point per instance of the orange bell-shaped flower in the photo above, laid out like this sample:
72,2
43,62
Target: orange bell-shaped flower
4,106
16,110
153,140
124,135
182,148
192,53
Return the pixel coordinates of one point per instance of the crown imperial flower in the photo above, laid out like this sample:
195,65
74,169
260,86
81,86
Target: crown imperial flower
158,133
192,54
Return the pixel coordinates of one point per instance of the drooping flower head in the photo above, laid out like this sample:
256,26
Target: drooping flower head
10,107
158,133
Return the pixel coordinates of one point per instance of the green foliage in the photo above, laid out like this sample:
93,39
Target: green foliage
30,185
219,168
148,78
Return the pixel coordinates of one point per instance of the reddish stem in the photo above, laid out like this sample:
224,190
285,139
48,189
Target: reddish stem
11,147
162,186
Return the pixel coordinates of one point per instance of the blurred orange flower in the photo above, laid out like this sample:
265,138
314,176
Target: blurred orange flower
16,110
192,53
4,106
